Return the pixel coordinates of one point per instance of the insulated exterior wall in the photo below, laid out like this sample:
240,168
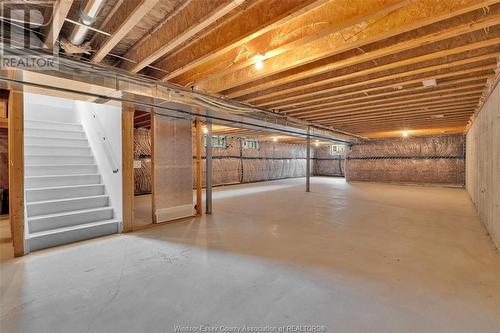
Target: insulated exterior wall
326,164
421,160
173,168
142,156
483,164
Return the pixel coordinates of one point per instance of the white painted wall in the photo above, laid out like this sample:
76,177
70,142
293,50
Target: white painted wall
107,122
41,107
48,108
483,164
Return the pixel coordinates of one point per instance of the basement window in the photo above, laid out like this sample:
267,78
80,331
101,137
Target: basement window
250,144
218,141
337,149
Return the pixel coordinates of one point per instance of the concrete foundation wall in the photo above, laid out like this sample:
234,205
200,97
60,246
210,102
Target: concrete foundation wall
417,160
483,164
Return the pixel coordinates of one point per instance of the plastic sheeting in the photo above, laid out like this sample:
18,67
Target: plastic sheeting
429,160
328,165
142,143
143,177
431,146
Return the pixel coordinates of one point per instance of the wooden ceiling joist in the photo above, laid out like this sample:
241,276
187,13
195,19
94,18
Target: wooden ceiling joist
439,103
261,18
329,18
402,80
473,94
408,116
58,13
416,84
190,21
480,80
435,106
387,100
410,17
124,19
383,125
331,77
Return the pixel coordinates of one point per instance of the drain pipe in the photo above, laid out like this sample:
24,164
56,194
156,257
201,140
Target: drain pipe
88,17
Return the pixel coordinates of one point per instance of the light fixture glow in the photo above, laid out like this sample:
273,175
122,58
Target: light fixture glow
205,130
429,83
405,134
275,139
259,61
316,143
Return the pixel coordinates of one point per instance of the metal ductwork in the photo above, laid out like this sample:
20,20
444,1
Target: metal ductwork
88,15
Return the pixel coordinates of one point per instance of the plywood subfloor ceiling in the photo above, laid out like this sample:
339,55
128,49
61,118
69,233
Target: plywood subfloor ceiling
353,65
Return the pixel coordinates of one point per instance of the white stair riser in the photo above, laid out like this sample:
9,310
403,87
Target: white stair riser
53,126
70,236
54,181
68,220
54,160
59,170
38,140
43,208
60,151
50,133
63,192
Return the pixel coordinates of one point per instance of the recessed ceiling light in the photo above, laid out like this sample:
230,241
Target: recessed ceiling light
429,83
275,138
437,116
405,134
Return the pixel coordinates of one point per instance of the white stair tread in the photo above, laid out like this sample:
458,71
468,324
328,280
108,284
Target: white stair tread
75,227
51,122
69,187
54,129
54,137
59,165
71,212
53,146
53,176
66,199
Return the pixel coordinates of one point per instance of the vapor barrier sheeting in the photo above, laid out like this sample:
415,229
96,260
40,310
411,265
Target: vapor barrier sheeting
142,156
326,164
430,160
234,164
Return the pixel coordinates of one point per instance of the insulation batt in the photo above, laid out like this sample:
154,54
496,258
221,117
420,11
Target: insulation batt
424,160
231,165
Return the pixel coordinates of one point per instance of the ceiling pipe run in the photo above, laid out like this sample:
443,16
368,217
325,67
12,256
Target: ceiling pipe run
88,16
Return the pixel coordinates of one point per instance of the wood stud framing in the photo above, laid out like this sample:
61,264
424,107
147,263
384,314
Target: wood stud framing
353,65
16,166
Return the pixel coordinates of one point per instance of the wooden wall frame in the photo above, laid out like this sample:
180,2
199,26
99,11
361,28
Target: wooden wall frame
128,185
16,165
198,152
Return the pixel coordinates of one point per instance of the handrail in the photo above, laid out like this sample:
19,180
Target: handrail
105,142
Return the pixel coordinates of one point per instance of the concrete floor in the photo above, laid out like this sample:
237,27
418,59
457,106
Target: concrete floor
352,257
142,211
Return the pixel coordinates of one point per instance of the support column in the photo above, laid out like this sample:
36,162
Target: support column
208,169
308,161
16,168
199,185
128,186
